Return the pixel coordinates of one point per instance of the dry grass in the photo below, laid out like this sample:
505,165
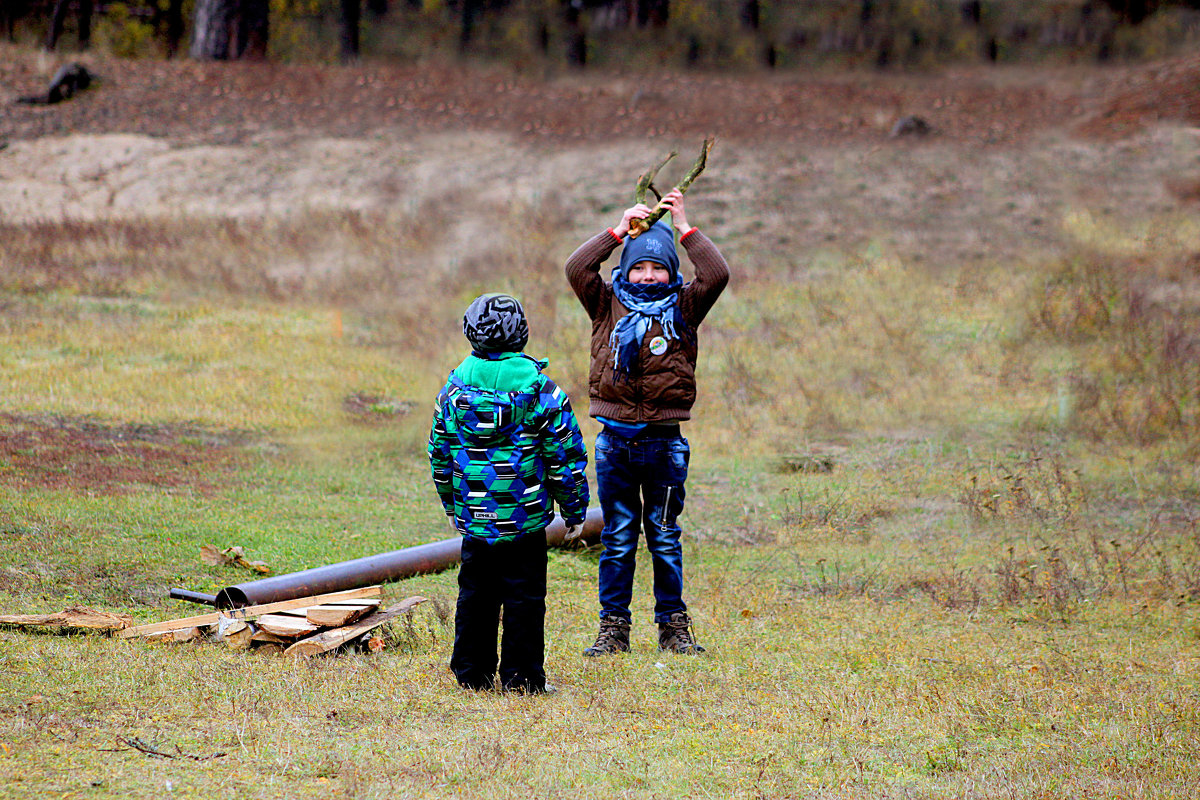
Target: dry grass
986,587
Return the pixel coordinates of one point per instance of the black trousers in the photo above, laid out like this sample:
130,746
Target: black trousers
508,577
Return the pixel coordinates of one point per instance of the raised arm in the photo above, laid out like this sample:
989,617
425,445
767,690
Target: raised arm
712,274
583,266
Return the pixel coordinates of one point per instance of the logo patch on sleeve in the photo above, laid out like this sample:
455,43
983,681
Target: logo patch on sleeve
484,515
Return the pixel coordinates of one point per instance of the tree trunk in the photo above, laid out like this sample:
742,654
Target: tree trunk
576,37
83,13
253,29
470,11
174,27
653,12
211,30
351,16
57,16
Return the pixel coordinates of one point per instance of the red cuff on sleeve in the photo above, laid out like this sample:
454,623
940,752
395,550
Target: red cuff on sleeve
614,234
689,233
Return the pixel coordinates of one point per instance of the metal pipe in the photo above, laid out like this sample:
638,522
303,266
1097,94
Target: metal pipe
369,570
194,597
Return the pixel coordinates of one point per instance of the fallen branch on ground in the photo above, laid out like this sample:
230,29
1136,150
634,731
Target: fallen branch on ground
73,617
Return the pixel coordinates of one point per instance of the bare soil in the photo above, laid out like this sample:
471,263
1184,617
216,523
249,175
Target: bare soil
85,455
221,104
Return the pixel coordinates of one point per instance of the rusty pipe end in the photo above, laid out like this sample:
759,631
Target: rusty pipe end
231,597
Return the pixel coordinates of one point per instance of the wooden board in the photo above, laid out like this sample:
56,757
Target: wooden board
339,614
328,640
285,626
247,612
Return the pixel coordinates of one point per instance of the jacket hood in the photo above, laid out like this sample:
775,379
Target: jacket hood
491,396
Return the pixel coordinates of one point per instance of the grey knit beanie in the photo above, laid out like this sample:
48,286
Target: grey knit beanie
495,323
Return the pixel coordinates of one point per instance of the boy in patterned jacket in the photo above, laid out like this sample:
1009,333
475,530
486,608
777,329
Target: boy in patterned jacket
504,447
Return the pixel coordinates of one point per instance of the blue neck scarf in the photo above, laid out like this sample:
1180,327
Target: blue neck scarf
647,302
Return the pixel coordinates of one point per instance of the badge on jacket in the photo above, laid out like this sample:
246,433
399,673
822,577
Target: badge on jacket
658,345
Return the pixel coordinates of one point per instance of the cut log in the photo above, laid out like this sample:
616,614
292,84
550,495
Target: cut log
247,613
240,638
268,648
335,615
73,617
230,626
325,641
186,634
190,634
285,626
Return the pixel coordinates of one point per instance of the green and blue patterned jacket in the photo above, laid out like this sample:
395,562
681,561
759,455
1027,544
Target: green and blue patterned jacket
504,447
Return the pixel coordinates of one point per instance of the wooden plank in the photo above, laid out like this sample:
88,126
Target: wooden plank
325,641
73,617
247,612
303,610
287,627
335,616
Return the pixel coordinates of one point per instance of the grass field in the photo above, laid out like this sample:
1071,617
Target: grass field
942,527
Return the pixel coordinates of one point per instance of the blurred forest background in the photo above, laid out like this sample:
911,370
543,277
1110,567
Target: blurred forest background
638,34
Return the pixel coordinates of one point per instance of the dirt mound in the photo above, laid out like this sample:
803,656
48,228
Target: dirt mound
1166,92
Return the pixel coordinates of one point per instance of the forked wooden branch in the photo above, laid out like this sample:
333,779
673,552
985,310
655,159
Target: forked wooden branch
639,226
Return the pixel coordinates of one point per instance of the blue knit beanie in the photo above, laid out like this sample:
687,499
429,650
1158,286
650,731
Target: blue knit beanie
656,244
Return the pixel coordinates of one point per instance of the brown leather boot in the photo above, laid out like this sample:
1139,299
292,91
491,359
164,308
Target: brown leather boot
675,635
613,637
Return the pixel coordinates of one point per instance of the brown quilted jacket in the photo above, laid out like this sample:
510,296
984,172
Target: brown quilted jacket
664,387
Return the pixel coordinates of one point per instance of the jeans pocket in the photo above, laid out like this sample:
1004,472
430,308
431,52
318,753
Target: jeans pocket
602,448
679,455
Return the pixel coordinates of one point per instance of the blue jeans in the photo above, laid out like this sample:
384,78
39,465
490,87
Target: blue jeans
641,487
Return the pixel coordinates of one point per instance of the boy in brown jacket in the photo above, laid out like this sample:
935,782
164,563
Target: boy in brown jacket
642,384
